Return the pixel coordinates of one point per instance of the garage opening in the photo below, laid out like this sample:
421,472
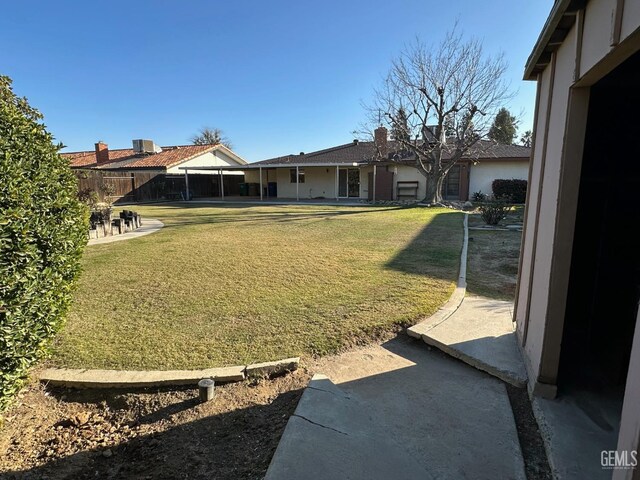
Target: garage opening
604,285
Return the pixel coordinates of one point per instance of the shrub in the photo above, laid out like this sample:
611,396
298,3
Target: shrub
493,211
89,197
514,189
43,230
478,196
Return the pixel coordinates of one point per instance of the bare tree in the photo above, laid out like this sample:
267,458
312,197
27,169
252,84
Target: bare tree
210,136
448,97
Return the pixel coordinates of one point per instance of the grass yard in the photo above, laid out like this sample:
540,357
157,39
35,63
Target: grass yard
225,285
493,257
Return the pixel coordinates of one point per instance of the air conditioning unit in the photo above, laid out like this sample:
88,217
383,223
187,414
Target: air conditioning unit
145,146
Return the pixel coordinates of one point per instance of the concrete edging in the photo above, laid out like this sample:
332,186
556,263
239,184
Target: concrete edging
456,298
83,378
150,225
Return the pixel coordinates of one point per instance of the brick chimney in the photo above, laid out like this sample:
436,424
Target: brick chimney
380,139
102,153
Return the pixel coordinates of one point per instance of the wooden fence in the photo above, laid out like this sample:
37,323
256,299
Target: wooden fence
122,186
143,186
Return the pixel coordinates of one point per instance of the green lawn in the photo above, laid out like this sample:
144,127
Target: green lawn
225,285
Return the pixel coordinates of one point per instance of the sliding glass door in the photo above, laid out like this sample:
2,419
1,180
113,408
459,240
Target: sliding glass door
348,182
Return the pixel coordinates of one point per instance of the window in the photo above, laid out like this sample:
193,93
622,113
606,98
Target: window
292,175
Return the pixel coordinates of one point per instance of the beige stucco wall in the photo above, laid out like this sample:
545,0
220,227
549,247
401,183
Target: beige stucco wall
405,173
550,179
208,159
482,175
538,244
319,182
598,21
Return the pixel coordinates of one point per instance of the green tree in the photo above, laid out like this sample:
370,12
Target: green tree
400,126
211,136
504,127
43,230
526,138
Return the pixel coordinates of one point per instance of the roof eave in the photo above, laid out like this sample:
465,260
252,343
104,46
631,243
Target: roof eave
232,154
551,36
255,166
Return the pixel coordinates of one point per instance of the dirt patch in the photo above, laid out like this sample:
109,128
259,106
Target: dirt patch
492,265
531,443
59,433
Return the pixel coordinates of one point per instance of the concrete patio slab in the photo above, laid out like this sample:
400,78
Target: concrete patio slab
576,428
439,417
481,333
331,435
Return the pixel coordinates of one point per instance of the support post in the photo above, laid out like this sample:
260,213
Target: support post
206,389
297,183
373,195
221,184
337,183
260,183
186,184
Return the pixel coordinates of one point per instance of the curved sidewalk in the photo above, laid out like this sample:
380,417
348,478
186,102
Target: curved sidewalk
477,330
150,225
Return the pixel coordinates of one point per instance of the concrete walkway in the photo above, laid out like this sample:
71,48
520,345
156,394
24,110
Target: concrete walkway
481,333
400,410
149,225
576,428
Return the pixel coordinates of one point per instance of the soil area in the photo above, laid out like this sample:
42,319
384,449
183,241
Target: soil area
59,433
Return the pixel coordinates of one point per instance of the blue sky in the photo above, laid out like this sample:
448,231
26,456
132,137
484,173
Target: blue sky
278,77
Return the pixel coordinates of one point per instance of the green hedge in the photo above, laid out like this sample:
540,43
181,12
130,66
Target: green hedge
515,190
43,230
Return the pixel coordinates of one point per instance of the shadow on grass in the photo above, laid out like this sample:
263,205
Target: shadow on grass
246,213
230,445
435,250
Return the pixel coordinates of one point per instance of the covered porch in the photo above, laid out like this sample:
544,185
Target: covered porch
314,183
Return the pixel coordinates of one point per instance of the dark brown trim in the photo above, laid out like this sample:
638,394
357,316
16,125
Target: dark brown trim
502,159
464,181
543,161
579,35
616,28
526,210
570,169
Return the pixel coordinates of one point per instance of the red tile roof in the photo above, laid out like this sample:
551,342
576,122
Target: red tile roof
126,158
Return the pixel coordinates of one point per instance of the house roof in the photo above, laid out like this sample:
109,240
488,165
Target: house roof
126,158
355,152
364,152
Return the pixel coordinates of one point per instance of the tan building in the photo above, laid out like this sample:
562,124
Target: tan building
149,172
347,172
579,280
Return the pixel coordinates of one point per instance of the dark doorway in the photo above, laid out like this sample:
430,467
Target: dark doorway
604,284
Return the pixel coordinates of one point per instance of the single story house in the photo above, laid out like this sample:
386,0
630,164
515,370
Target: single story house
579,281
147,171
349,171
